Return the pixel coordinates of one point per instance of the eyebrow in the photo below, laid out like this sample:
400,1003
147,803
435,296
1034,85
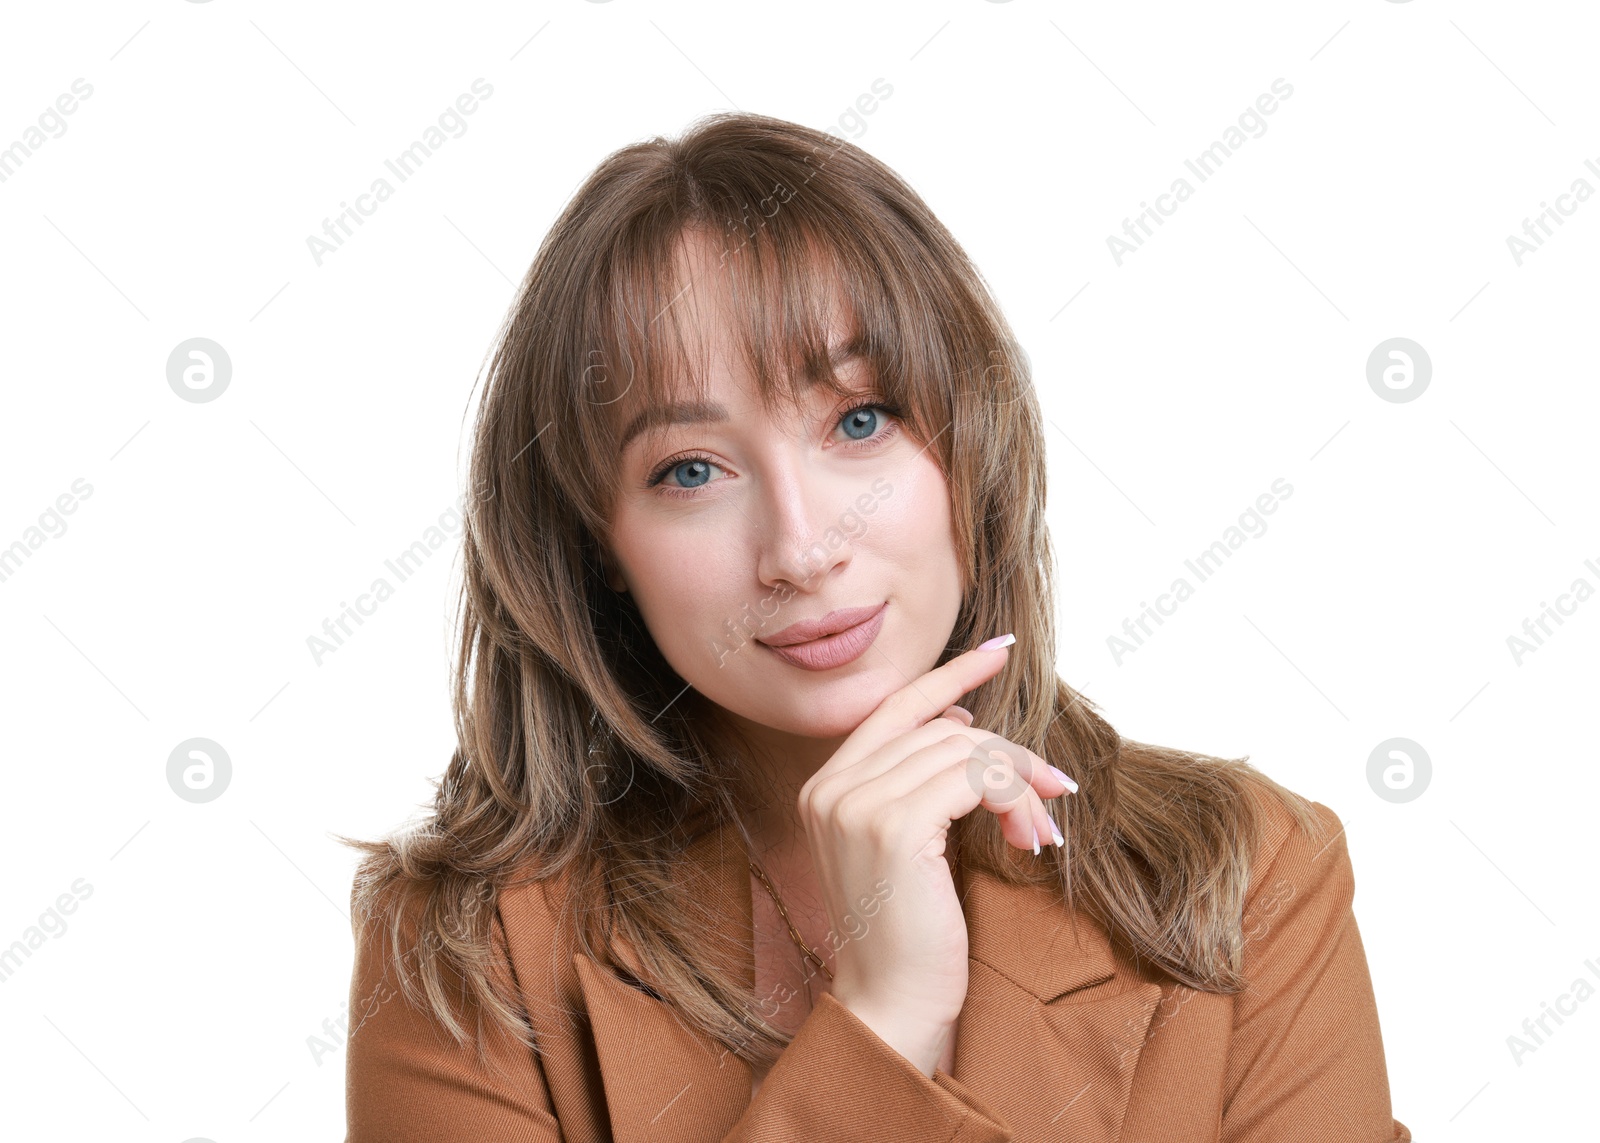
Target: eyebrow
702,412
678,413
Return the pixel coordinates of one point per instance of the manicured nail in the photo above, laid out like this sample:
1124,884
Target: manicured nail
1065,781
962,709
997,642
1036,841
1060,841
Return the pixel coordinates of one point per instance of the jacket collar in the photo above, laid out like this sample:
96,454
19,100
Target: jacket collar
1049,1036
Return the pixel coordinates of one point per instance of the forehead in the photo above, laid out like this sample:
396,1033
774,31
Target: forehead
687,407
719,335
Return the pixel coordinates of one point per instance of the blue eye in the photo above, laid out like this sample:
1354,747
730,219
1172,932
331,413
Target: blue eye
862,418
853,420
697,468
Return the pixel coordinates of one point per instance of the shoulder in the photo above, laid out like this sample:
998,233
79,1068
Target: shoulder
457,926
532,910
1294,837
1220,824
438,1034
1305,1034
1300,884
540,938
386,903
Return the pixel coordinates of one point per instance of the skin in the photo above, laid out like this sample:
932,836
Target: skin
707,543
867,761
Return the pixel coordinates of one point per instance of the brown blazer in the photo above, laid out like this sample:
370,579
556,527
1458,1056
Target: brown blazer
1059,1038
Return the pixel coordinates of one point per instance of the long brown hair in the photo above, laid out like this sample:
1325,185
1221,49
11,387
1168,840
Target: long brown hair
579,753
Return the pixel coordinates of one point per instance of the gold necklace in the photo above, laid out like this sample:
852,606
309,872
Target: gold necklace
805,950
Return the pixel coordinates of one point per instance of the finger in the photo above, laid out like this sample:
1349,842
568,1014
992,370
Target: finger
1006,793
1038,773
908,774
993,779
881,761
949,795
1049,832
917,703
1027,824
984,745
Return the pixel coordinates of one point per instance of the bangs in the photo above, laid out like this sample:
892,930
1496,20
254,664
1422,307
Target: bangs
790,307
787,321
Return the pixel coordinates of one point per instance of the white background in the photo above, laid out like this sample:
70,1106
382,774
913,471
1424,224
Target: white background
1228,352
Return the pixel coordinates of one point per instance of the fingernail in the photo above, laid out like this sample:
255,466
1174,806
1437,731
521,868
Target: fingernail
997,642
1060,841
1065,781
962,709
1036,841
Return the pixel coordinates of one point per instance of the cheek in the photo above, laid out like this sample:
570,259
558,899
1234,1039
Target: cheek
913,519
675,574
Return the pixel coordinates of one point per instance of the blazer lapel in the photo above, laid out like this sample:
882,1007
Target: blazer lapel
1049,1035
665,1082
1053,1023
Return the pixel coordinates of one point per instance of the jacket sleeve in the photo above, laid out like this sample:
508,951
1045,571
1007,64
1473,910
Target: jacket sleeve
408,1081
1306,1059
838,1080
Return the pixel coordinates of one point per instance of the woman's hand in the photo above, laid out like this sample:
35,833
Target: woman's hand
877,814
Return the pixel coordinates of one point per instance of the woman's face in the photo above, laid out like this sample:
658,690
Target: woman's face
728,530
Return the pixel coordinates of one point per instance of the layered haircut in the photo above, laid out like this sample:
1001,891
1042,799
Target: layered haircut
584,759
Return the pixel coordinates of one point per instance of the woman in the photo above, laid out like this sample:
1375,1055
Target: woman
757,474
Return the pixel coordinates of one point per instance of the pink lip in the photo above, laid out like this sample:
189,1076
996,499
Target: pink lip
841,619
844,636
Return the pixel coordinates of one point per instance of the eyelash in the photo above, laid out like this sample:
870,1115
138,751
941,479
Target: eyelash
877,438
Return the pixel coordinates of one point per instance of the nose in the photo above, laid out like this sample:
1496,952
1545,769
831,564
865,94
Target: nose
800,533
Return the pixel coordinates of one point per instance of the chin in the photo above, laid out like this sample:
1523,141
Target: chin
854,701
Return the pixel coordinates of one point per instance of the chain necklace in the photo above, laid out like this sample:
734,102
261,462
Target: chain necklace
805,950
